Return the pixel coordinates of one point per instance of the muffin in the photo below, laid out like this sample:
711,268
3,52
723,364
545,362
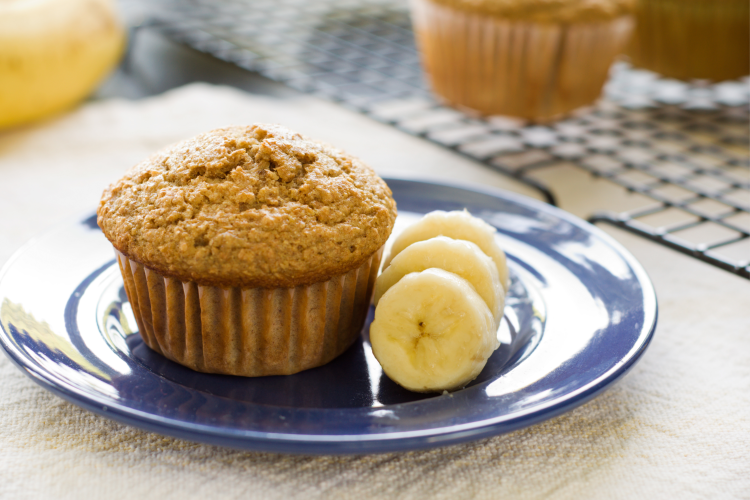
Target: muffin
533,59
249,250
687,39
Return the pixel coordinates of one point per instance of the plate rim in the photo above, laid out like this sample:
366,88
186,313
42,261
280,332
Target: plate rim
309,444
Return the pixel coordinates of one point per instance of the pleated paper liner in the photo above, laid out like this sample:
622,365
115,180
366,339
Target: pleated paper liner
250,332
688,39
494,66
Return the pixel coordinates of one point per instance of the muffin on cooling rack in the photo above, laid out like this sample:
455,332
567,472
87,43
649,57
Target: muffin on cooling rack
534,59
687,39
249,250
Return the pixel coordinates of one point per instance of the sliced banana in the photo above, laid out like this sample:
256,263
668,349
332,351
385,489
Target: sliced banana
460,257
459,225
432,332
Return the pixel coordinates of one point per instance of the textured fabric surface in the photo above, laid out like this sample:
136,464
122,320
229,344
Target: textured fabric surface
677,426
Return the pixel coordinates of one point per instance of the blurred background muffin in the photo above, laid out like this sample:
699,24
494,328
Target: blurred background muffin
534,59
689,39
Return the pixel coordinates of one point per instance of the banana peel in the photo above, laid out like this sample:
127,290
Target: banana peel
53,53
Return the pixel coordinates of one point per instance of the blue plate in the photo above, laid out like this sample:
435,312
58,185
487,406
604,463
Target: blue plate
580,311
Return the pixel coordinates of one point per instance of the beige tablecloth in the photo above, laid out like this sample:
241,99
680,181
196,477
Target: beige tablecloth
677,426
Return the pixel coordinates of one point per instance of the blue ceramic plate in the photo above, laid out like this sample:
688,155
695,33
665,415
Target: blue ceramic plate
579,313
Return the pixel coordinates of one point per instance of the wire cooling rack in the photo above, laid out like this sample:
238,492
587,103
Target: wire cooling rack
684,147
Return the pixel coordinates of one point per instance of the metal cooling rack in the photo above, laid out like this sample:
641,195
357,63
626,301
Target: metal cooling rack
683,147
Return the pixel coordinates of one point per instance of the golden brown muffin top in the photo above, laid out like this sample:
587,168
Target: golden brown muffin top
249,206
546,11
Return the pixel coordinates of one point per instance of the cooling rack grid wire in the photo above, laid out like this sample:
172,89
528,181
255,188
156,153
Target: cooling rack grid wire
682,147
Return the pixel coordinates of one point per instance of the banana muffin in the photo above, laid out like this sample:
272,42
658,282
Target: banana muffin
249,250
533,59
689,39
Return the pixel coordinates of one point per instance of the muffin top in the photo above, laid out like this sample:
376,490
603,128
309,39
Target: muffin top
547,11
249,206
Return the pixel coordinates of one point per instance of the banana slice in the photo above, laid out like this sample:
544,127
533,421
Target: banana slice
460,257
459,225
432,332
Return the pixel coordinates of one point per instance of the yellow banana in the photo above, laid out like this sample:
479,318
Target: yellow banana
53,53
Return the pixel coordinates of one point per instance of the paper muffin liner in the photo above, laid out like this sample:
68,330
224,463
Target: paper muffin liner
687,39
249,331
495,66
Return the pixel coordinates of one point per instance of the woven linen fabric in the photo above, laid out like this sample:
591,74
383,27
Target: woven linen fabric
677,426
